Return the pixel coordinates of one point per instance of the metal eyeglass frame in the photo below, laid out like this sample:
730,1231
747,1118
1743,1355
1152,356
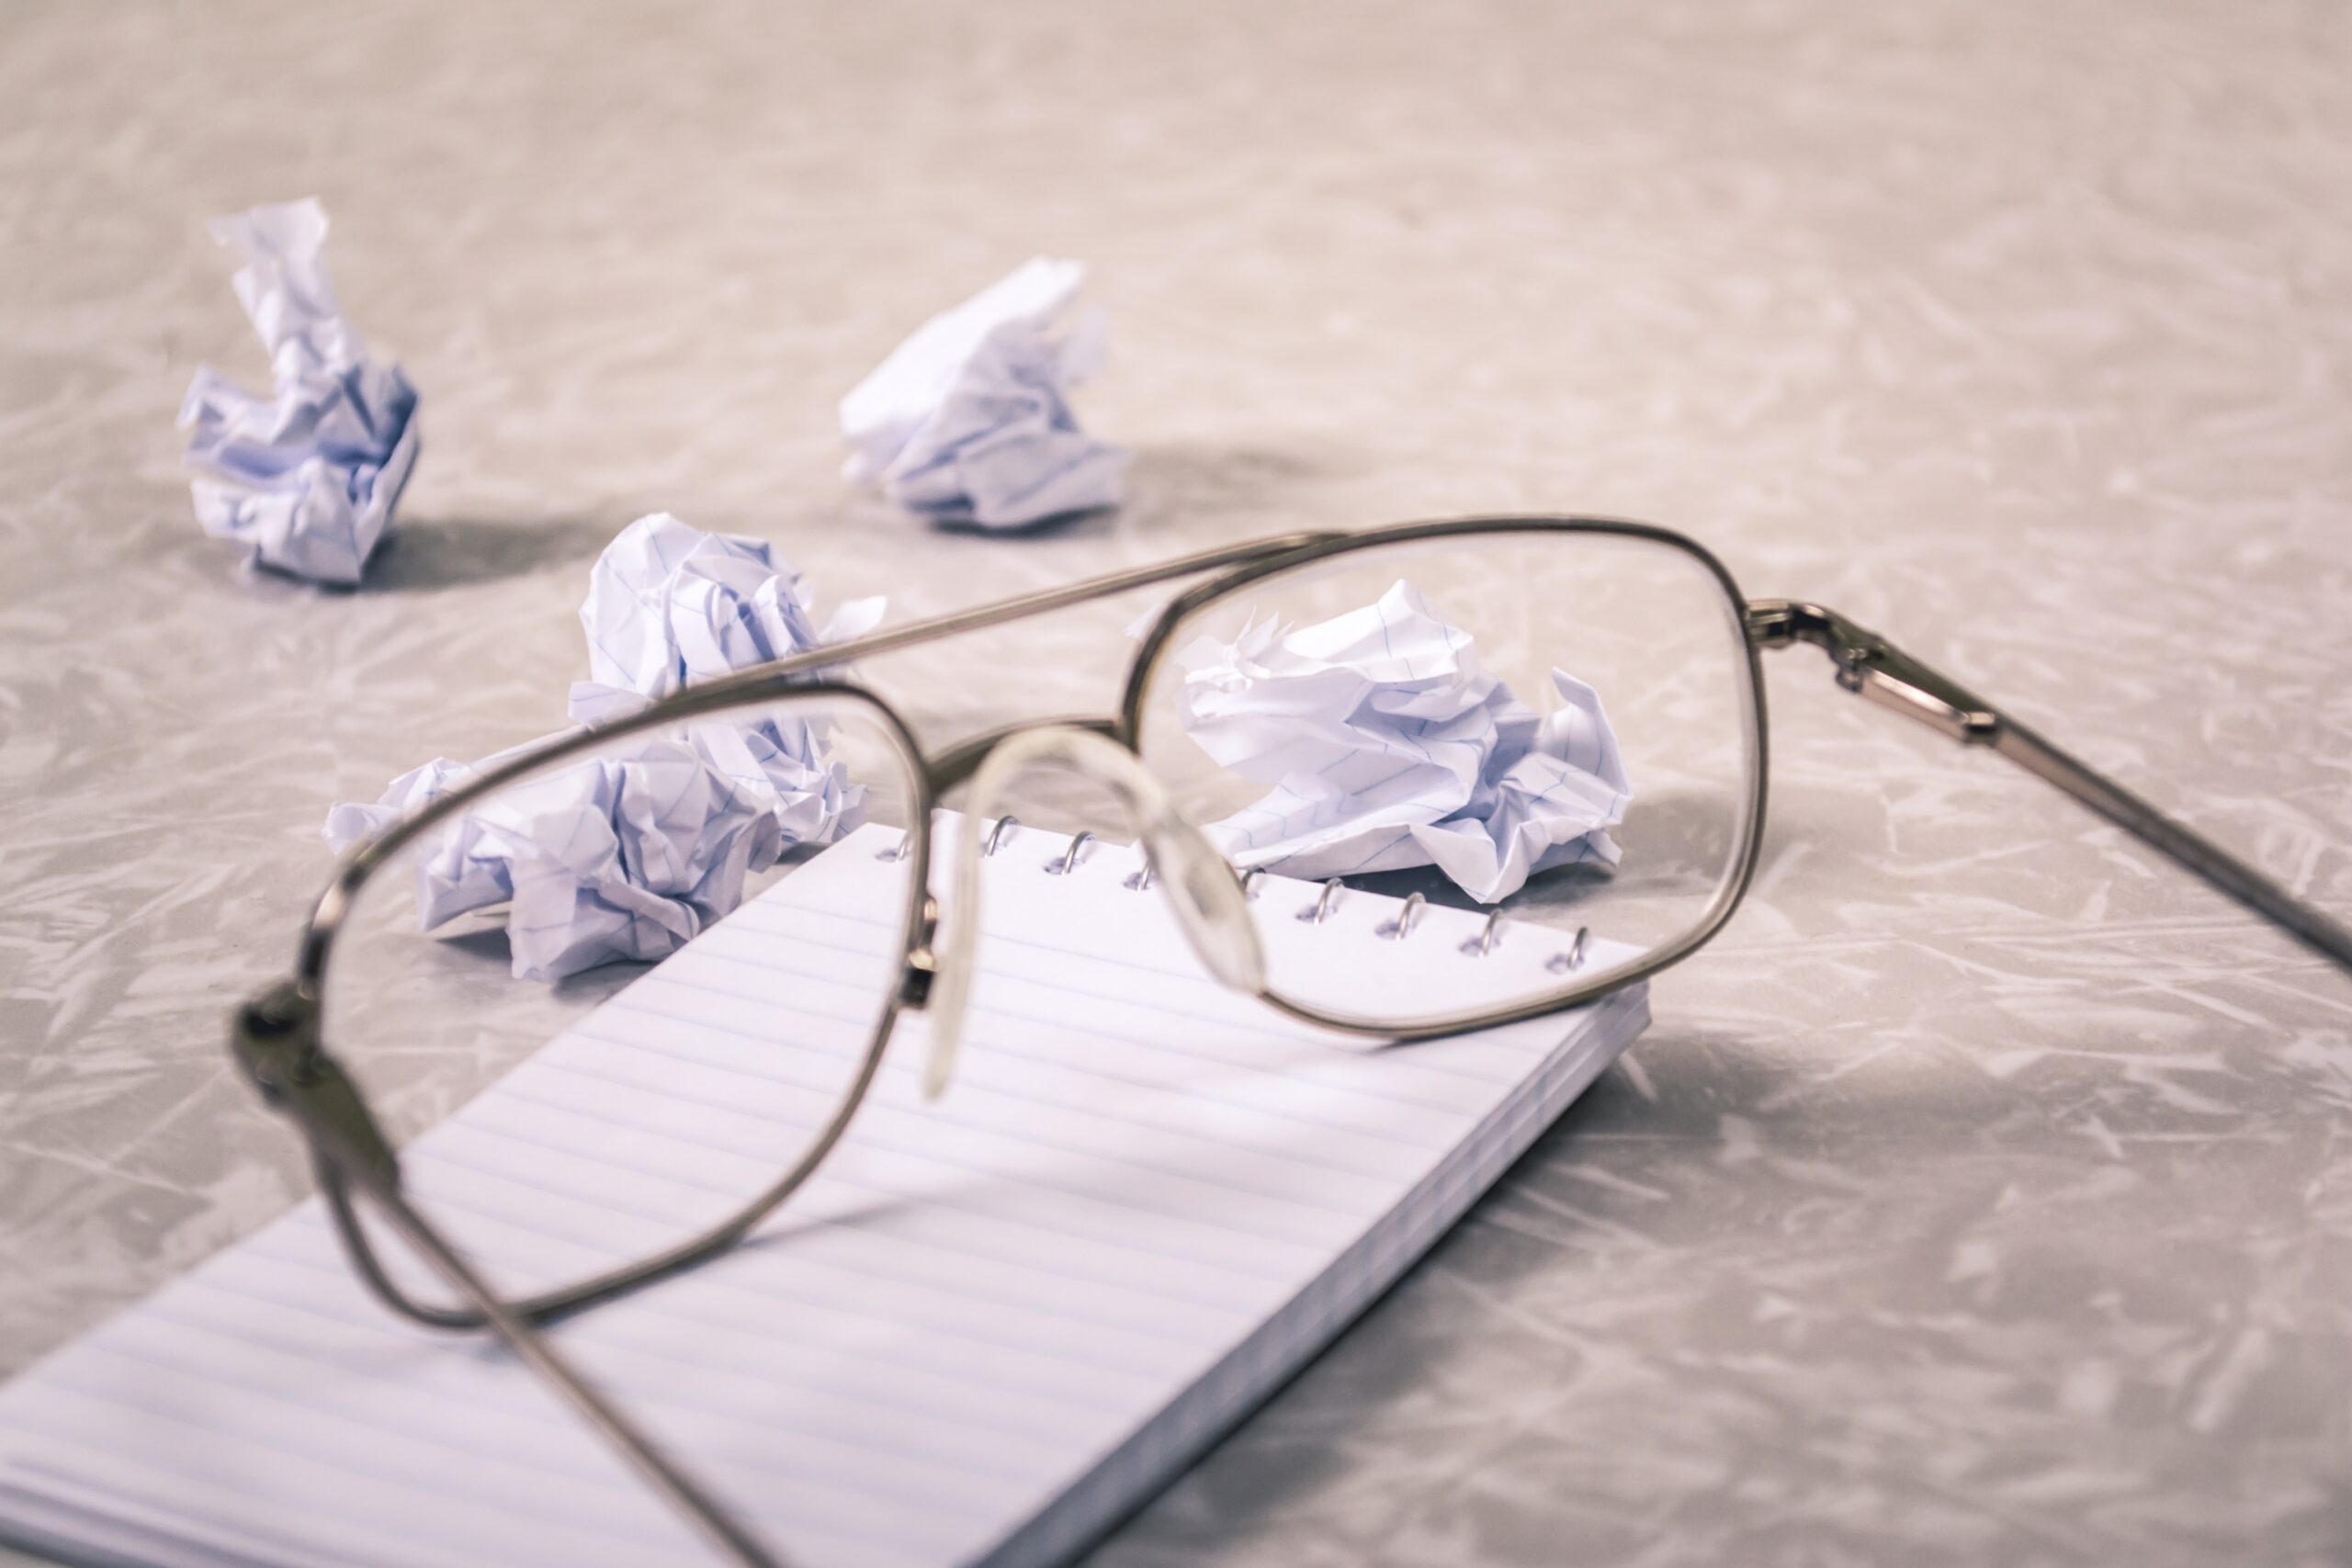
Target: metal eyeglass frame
276,1037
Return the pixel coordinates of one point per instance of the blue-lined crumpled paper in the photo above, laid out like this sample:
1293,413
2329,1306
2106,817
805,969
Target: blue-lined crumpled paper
669,605
968,421
624,857
1387,747
630,855
306,477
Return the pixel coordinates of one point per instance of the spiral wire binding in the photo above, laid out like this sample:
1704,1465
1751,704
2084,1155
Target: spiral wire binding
1068,861
1398,929
996,834
1568,963
1488,935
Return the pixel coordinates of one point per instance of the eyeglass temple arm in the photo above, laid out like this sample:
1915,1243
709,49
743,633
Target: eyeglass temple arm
1873,668
275,1041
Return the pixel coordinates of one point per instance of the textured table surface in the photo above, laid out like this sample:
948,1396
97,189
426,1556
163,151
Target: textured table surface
1983,1195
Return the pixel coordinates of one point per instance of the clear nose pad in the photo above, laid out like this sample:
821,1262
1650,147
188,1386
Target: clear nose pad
1208,897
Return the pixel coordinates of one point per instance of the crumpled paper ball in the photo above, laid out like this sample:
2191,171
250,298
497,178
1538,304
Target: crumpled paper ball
619,858
968,421
305,479
630,854
669,605
1388,747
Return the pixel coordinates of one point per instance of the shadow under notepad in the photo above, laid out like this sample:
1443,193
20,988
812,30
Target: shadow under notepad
1311,1434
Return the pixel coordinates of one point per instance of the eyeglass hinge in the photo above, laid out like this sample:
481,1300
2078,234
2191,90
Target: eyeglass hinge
922,959
274,1038
1870,666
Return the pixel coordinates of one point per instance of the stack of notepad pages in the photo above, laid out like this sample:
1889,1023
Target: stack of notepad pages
990,1327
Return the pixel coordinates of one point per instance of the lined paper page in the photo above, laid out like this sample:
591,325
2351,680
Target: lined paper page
988,1327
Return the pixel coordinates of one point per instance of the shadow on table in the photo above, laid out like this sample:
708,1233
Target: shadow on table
1194,480
423,557
1272,1466
1177,483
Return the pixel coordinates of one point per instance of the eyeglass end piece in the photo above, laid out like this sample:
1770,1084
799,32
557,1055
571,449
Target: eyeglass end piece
1875,669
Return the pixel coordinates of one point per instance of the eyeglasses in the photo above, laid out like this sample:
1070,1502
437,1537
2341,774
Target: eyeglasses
1555,726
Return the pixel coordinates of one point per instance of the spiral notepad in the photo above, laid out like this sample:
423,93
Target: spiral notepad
992,1326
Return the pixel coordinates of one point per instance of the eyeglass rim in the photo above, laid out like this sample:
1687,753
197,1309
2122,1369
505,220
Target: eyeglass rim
788,681
797,678
917,921
1233,566
1157,646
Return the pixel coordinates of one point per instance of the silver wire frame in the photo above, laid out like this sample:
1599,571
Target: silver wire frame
276,1037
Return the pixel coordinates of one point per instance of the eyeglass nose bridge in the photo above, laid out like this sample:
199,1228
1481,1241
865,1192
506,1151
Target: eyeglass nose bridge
1210,906
957,763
